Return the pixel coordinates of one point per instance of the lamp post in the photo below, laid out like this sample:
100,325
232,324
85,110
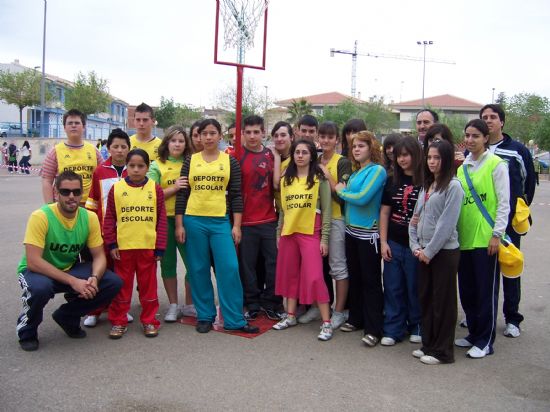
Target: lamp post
424,43
265,113
43,79
493,97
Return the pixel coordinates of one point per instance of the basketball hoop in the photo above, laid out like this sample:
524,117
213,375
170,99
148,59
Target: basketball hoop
244,27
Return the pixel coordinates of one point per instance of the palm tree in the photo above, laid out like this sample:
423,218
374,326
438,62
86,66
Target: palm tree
299,108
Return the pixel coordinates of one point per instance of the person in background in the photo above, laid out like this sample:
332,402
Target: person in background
144,119
26,154
425,118
387,151
351,127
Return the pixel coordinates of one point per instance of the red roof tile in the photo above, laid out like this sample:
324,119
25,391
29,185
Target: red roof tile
443,101
322,99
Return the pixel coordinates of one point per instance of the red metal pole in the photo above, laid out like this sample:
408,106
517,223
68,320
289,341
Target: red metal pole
239,111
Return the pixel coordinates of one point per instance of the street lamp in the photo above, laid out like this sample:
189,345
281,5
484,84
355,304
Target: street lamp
493,98
265,114
424,43
43,79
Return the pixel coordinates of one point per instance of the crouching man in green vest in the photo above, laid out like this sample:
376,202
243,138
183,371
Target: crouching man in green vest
54,237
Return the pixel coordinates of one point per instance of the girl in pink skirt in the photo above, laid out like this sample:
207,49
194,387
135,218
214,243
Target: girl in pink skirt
304,227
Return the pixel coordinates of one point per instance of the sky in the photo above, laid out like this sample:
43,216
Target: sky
149,49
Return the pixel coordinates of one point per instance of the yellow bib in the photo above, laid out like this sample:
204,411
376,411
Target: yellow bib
82,161
151,147
299,205
169,173
208,183
332,167
136,211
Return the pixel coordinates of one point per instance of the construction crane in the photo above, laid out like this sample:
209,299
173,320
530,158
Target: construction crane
354,53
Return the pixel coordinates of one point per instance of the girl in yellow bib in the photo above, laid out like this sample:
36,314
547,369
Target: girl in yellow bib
165,171
304,223
202,223
135,232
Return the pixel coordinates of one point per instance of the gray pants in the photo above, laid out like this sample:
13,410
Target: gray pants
259,240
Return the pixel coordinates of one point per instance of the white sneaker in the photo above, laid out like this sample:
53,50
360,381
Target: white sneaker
285,323
429,360
90,321
326,331
415,339
512,331
387,341
130,318
418,353
312,314
172,313
337,319
463,323
463,343
189,310
476,353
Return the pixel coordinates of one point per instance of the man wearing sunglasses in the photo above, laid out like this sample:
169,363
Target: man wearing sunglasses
55,235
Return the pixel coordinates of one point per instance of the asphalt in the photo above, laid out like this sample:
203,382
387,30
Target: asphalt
182,370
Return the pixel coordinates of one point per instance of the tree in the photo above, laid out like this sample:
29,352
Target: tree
298,109
22,89
455,122
542,133
378,117
524,112
253,101
90,94
170,113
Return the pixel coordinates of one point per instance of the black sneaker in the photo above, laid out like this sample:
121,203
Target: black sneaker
272,314
29,345
251,314
203,326
71,331
245,329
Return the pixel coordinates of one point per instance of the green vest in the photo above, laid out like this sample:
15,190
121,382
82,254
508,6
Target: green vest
473,230
62,245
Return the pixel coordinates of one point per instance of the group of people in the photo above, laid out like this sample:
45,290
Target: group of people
10,153
308,220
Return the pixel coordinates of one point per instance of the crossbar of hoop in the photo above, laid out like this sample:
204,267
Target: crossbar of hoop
240,73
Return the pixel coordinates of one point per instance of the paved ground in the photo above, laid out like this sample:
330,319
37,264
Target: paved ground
184,371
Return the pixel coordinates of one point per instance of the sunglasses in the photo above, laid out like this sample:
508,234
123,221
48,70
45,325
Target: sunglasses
67,192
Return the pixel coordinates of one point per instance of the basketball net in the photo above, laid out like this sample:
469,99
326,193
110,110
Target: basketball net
240,18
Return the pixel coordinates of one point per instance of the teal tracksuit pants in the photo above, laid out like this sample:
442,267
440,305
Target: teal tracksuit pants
205,234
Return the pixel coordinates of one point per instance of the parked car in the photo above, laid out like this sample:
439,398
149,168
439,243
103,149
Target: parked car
11,130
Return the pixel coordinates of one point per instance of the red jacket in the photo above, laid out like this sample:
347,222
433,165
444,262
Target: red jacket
104,177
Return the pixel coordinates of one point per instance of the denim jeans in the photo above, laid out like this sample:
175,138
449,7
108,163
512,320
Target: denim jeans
401,305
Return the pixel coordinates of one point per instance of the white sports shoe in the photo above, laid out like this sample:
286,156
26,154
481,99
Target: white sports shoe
418,353
326,331
429,360
476,353
172,313
387,341
130,318
512,331
312,314
463,343
285,323
189,310
415,339
90,321
337,319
